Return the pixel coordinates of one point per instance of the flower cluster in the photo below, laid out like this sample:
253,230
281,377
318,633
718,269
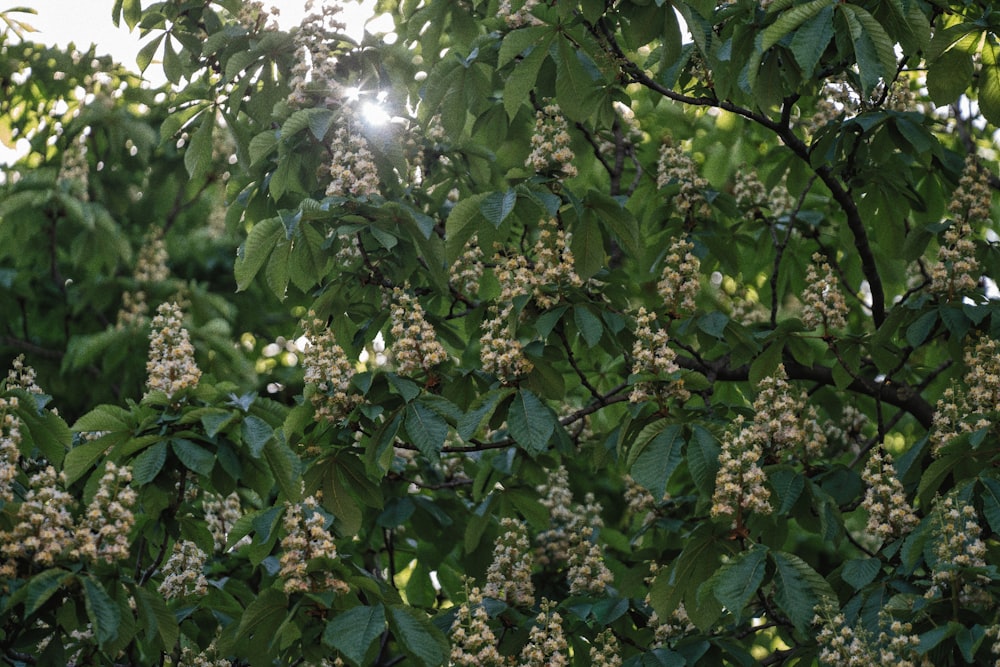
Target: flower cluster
739,483
520,17
571,536
10,447
509,575
587,571
823,303
676,166
150,268
467,271
184,572
316,74
44,529
554,264
500,351
22,376
836,99
957,269
171,367
782,422
351,167
547,646
606,651
679,284
843,645
889,513
473,643
255,18
652,354
208,658
220,516
104,532
327,368
415,348
550,143
972,404
639,501
958,547
306,538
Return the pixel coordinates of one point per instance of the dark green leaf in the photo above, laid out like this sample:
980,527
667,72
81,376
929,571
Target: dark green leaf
42,587
194,457
426,428
531,423
588,324
658,460
256,432
798,589
859,572
101,610
148,464
354,631
420,640
736,582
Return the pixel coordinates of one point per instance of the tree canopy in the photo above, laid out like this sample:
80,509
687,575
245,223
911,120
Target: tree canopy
649,332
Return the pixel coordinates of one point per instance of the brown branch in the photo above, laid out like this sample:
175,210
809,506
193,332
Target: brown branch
899,395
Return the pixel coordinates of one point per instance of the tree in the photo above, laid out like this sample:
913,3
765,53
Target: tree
604,333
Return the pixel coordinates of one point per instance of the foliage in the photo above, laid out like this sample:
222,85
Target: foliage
684,349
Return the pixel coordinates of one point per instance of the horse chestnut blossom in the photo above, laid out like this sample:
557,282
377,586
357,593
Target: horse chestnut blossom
327,368
676,166
651,353
10,447
415,348
307,538
473,643
509,575
171,367
183,573
679,284
550,143
823,302
957,269
889,513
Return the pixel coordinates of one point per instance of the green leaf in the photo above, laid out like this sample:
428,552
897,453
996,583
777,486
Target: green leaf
172,67
145,55
426,428
285,466
132,13
736,582
261,618
588,324
658,459
42,587
101,610
522,80
418,637
256,432
587,246
198,152
81,459
461,225
354,631
873,47
989,81
991,501
482,410
703,459
260,243
790,20
497,206
798,589
517,42
859,572
148,464
194,457
575,90
157,618
811,40
530,422
788,485
103,418
949,76
679,582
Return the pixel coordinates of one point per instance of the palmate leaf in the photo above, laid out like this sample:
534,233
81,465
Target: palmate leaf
531,423
418,637
873,48
989,82
260,242
790,20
